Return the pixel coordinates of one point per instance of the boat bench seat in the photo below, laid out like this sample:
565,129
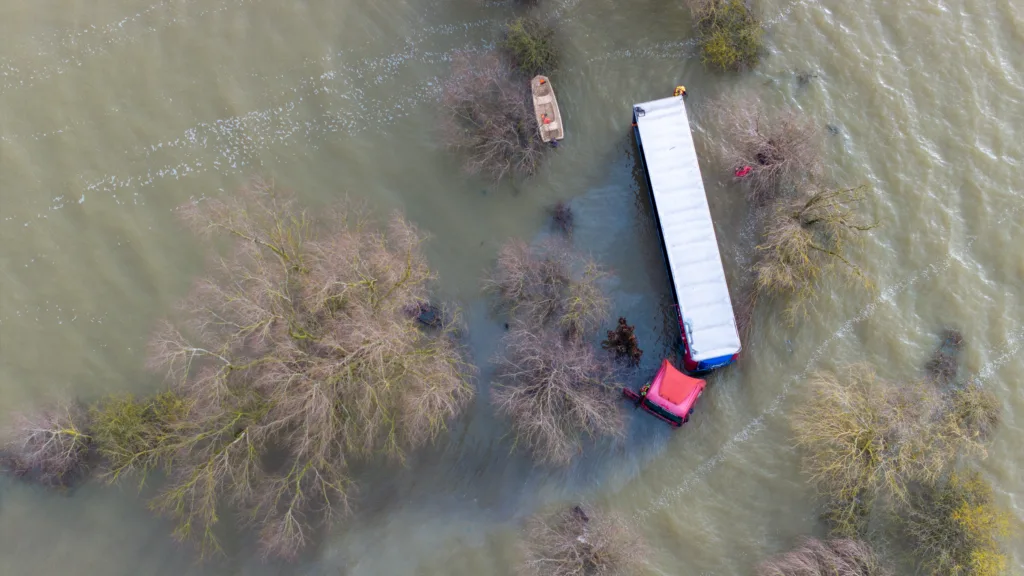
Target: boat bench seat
542,99
551,126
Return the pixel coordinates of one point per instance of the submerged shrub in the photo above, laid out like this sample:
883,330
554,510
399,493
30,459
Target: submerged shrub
137,435
581,541
49,446
488,115
549,285
530,44
550,383
954,527
295,357
839,557
556,393
864,437
622,342
777,151
803,239
973,414
729,33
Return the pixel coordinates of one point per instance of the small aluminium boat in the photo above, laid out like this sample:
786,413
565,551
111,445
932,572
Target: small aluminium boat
671,395
545,106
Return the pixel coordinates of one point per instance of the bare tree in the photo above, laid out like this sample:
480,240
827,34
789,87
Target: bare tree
841,557
50,445
781,150
300,345
556,392
972,414
864,437
581,541
549,285
804,238
488,114
955,527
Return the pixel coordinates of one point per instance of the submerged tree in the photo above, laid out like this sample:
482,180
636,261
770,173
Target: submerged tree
563,218
622,342
132,435
803,239
954,527
488,114
729,33
556,392
295,357
865,437
581,541
550,382
972,414
777,152
549,285
530,44
839,557
49,446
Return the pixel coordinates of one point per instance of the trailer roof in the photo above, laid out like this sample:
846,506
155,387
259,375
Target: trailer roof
686,228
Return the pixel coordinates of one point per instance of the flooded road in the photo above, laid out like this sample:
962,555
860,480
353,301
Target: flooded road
114,113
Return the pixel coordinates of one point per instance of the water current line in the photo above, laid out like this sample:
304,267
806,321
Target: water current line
112,34
758,423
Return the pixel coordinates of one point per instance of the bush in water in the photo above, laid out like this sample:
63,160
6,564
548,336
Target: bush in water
954,527
777,152
299,345
556,392
944,364
131,434
549,285
581,541
550,382
805,237
530,44
487,113
865,437
839,557
50,446
622,341
729,33
973,413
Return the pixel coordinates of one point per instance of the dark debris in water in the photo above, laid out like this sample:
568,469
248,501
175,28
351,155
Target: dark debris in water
804,77
563,218
425,313
944,364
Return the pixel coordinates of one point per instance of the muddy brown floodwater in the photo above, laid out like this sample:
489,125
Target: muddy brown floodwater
112,113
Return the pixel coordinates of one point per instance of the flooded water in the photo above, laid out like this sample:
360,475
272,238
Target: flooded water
112,113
